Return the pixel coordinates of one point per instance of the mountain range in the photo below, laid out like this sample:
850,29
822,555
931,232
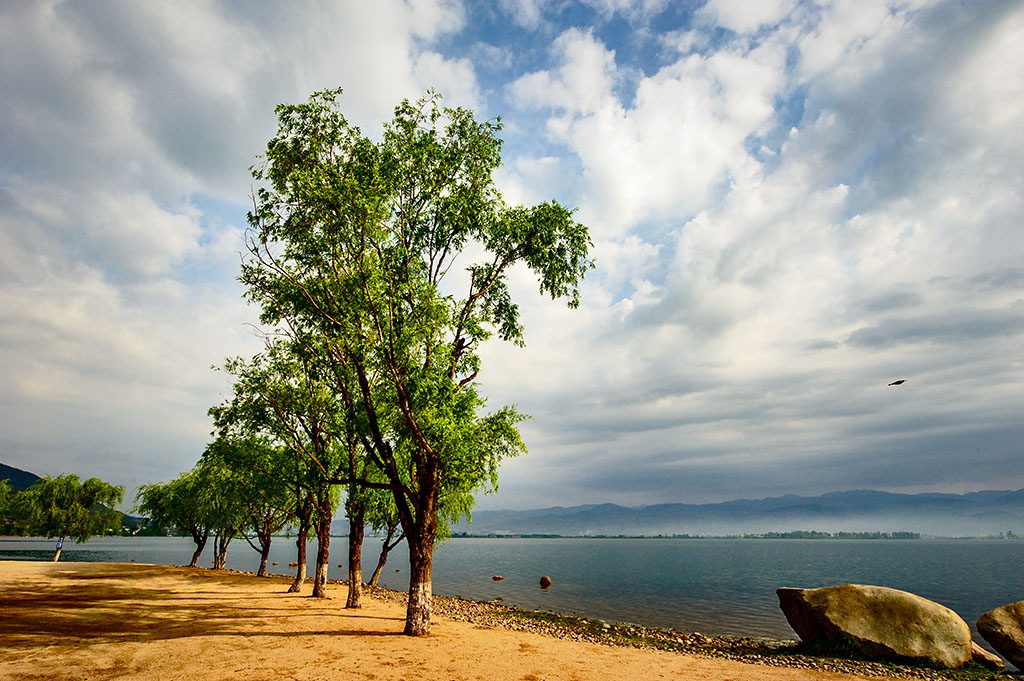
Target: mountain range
985,513
948,515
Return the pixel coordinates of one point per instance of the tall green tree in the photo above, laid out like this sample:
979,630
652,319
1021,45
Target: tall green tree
265,499
184,503
279,393
66,507
225,500
354,245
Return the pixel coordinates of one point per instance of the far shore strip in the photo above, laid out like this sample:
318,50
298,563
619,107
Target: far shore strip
101,621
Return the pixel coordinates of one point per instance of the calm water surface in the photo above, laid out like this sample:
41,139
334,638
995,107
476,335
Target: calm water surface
716,586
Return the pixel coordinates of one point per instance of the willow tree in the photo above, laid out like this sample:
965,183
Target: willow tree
265,500
279,394
65,506
182,503
355,242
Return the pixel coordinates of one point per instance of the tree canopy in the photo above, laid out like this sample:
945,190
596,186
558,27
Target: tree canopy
5,495
64,506
184,504
353,256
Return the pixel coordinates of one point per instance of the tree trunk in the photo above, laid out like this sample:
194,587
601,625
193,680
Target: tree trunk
381,562
300,573
356,528
264,555
200,540
323,552
385,549
421,562
221,558
56,551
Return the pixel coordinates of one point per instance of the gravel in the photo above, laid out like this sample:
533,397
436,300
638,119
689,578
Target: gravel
755,650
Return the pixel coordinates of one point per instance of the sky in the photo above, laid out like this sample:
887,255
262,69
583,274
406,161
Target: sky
792,205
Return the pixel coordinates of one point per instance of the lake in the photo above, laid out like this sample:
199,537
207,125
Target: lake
715,586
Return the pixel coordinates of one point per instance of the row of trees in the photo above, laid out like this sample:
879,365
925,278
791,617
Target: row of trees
64,507
380,268
255,489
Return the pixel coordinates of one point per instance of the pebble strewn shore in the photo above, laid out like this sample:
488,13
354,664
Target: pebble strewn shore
743,649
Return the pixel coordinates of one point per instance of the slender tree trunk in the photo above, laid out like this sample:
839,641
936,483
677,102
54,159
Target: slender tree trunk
323,551
56,551
356,528
385,549
264,554
381,562
300,574
200,540
221,559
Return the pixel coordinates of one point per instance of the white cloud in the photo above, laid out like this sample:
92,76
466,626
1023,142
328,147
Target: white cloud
745,17
455,80
679,142
525,13
636,11
795,292
785,219
129,128
582,83
431,18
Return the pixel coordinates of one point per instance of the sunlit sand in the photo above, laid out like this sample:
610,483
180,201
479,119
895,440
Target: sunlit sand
102,621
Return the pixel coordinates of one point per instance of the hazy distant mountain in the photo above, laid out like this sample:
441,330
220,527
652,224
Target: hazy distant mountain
985,513
18,479
975,514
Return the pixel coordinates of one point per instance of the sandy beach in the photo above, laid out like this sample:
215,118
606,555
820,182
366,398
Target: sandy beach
100,621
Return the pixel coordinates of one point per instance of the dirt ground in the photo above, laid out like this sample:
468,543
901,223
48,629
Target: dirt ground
98,621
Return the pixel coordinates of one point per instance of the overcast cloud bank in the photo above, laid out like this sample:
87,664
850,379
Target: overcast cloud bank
793,205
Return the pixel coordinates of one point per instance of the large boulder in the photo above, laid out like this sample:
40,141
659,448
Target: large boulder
877,623
1003,628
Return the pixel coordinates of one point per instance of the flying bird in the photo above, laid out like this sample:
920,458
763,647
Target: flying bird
899,382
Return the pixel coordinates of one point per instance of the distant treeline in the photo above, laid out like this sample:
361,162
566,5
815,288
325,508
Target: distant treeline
814,534
795,534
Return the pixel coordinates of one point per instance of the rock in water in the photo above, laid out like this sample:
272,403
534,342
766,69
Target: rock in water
497,578
878,622
545,582
1004,629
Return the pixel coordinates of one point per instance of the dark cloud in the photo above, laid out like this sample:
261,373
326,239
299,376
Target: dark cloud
894,299
955,327
1002,279
820,344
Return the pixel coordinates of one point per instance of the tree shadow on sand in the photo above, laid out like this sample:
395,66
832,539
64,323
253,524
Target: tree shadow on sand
115,603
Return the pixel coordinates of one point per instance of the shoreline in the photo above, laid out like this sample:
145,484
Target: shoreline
162,623
750,649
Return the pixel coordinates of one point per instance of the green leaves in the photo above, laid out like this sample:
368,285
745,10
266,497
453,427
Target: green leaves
65,506
353,246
